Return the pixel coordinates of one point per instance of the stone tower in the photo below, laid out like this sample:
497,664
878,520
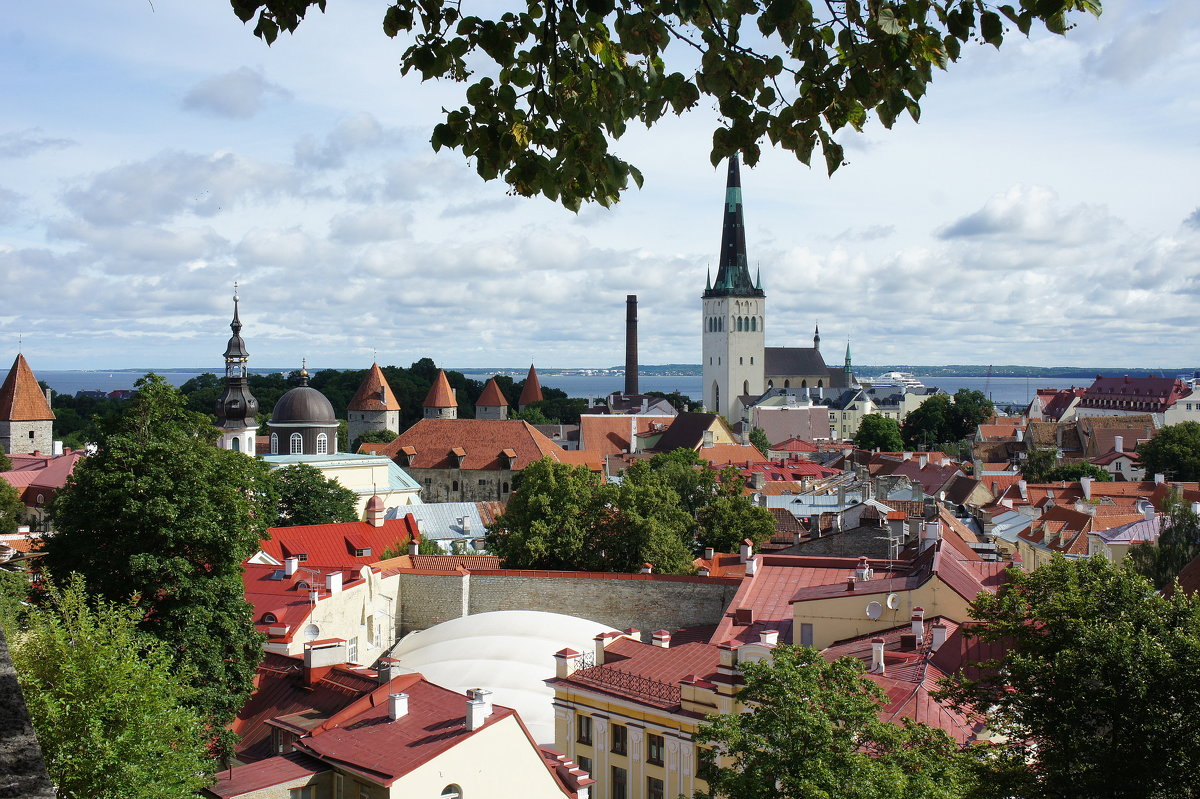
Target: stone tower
440,402
734,311
237,408
26,421
491,403
374,406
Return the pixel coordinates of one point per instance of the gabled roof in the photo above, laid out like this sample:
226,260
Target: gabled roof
1147,394
793,445
374,393
719,455
328,545
492,396
609,434
660,670
440,395
429,442
686,431
21,399
795,361
532,390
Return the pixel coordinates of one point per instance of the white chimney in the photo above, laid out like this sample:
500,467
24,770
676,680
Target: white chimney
939,636
1148,511
56,447
863,570
1085,483
922,461
768,637
397,706
906,456
1020,434
918,624
661,638
334,582
483,695
747,549
475,714
413,547
1118,443
709,553
314,595
931,532
647,568
289,566
877,665
752,567
708,439
1159,479
1196,508
1023,487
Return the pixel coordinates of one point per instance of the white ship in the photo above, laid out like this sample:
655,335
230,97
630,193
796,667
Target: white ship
905,380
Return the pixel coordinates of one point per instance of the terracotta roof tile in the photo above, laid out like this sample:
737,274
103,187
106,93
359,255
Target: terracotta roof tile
374,393
440,395
483,441
326,545
492,396
21,399
608,435
450,562
532,391
731,454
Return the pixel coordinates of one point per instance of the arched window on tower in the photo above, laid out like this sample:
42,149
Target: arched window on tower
803,384
716,398
754,324
820,384
297,444
745,387
322,444
787,383
235,444
274,443
739,324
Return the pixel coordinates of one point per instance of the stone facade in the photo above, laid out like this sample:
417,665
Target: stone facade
359,422
27,437
464,485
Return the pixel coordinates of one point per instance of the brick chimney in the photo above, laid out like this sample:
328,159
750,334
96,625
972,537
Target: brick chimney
631,345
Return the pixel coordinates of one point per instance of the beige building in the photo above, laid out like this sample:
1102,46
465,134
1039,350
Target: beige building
365,474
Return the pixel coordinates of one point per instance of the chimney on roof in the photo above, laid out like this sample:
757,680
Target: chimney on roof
863,571
320,657
475,714
631,346
1085,483
877,664
703,571
708,439
850,583
1159,479
918,623
1118,443
751,567
483,695
768,637
375,511
647,568
661,638
709,553
939,636
1023,487
906,456
931,532
1147,510
747,549
566,662
334,582
1020,434
922,461
413,547
289,565
384,669
397,706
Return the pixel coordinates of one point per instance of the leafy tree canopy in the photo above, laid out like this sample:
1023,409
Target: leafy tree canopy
815,732
1039,462
1174,452
876,431
759,439
5,463
162,514
308,497
942,419
1074,471
110,711
552,84
373,437
1178,545
12,509
1098,693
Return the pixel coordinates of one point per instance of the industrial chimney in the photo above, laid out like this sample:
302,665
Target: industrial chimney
631,352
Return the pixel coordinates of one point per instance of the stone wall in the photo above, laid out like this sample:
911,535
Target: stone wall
463,485
645,601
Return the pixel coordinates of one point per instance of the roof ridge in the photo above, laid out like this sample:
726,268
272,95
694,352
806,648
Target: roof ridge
21,399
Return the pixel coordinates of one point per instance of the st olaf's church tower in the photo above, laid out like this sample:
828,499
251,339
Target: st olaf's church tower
734,311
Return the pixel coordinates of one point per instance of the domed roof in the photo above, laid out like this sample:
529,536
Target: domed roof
303,405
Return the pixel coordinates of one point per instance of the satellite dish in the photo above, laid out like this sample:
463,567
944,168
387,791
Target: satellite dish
874,610
893,601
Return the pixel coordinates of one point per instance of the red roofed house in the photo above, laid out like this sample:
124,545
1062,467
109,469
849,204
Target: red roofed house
317,728
38,478
374,406
468,460
1054,405
1168,400
26,421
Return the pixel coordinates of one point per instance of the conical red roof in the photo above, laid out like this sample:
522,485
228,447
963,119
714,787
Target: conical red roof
21,398
374,394
440,395
492,396
533,389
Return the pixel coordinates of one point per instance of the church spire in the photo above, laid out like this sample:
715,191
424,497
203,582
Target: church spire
236,409
733,271
817,336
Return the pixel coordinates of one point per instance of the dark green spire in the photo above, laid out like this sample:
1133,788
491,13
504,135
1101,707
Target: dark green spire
733,273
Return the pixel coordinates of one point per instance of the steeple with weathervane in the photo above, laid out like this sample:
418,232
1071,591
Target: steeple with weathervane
732,316
237,408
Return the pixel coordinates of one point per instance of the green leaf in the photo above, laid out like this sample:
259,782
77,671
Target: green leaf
991,28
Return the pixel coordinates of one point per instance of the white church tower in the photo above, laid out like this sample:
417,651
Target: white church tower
734,310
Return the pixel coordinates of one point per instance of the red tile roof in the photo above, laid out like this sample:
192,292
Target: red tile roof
286,599
440,395
719,455
609,435
40,474
492,396
646,673
329,545
532,390
1145,394
450,562
374,393
794,445
21,399
484,442
265,773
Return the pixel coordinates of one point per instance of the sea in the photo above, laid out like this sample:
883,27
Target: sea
1002,390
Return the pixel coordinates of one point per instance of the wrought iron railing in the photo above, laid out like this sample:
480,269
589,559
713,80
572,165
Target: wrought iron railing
643,687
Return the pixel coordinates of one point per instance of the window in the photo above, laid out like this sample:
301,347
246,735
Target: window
654,749
235,444
297,443
454,485
274,444
362,553
619,784
269,618
31,435
806,634
585,763
322,444
1120,465
584,723
301,557
307,792
452,791
620,739
483,482
504,488
352,650
654,788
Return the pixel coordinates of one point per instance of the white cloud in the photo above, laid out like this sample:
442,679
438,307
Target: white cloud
1141,41
356,133
1031,214
239,94
30,141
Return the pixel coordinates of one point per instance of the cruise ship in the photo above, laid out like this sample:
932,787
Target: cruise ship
905,380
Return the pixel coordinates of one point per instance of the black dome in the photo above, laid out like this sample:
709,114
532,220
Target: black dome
303,405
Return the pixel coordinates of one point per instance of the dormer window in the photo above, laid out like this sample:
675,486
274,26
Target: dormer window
301,585
362,553
269,618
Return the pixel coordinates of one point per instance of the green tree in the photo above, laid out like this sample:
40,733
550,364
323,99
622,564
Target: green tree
308,497
1039,462
1073,471
106,701
876,431
373,437
5,462
1178,545
759,439
162,514
691,477
1097,693
814,731
547,520
640,521
727,521
971,409
931,423
532,414
12,509
1174,452
553,83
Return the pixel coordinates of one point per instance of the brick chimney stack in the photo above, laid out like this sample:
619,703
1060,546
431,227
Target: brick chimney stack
631,345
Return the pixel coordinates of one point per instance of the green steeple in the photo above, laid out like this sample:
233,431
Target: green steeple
733,273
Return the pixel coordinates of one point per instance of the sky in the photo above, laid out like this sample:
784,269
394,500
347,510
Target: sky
1045,210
